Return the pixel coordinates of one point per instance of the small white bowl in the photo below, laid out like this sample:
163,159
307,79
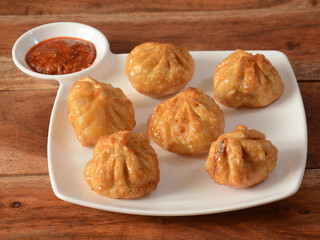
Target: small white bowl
100,68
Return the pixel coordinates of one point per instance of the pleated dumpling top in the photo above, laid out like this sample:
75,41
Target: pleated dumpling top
186,123
124,165
246,80
241,158
97,109
159,69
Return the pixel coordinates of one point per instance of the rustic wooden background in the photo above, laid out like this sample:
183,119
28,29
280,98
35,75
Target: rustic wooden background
28,207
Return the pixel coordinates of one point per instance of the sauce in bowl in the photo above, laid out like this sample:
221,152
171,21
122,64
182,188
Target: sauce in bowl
61,55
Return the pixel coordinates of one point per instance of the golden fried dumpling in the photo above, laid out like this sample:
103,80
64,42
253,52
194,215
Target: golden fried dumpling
159,69
123,165
241,158
97,109
246,80
186,123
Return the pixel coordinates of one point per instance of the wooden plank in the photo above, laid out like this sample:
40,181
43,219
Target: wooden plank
24,121
29,210
38,7
310,93
289,30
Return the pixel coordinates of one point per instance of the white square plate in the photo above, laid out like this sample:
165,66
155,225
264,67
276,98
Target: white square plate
185,188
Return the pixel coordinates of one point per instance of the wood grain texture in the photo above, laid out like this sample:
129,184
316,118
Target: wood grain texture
29,210
310,94
39,7
24,121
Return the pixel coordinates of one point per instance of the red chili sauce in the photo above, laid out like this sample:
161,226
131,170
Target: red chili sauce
61,55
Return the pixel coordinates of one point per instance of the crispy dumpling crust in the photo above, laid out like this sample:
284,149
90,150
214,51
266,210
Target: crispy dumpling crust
241,158
124,165
186,123
159,69
246,80
97,109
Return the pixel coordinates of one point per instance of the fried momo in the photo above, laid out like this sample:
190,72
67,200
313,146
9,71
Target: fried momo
159,69
241,158
246,80
186,123
123,165
97,109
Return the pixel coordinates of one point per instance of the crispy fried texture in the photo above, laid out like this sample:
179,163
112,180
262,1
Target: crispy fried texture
241,158
124,165
246,80
96,109
186,123
159,69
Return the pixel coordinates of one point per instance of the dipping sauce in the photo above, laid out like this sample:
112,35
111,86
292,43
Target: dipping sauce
61,55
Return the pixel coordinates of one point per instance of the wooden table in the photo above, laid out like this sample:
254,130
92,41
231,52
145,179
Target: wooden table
28,207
